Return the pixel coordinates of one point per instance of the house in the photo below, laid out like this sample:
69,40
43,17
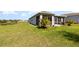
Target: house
55,20
72,16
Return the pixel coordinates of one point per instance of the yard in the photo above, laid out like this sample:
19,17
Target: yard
25,35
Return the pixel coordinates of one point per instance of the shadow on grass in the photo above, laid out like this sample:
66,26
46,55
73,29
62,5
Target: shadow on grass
41,27
70,36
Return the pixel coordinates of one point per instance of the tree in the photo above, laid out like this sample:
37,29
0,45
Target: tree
45,22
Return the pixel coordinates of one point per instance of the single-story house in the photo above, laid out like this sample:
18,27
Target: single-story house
72,16
55,20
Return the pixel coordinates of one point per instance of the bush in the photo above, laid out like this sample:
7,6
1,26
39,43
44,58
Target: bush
8,22
45,22
3,22
69,22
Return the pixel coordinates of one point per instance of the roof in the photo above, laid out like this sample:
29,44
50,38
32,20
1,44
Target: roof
44,13
61,16
72,14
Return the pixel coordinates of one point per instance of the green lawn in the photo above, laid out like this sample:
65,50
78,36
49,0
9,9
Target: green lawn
24,34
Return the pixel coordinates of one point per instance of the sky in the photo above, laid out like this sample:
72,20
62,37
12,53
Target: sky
38,5
24,9
16,14
24,15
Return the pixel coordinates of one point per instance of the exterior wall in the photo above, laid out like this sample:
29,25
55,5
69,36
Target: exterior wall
56,20
33,20
75,18
53,20
41,17
62,19
59,20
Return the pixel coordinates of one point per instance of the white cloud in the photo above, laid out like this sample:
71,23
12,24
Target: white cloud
9,12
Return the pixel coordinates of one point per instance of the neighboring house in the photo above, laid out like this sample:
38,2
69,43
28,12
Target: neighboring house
72,16
55,20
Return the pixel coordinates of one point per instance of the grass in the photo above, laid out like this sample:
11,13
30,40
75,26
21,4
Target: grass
24,34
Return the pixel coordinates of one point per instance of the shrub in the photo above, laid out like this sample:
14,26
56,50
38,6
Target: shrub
8,22
3,22
45,22
69,22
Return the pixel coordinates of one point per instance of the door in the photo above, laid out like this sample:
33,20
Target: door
37,20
